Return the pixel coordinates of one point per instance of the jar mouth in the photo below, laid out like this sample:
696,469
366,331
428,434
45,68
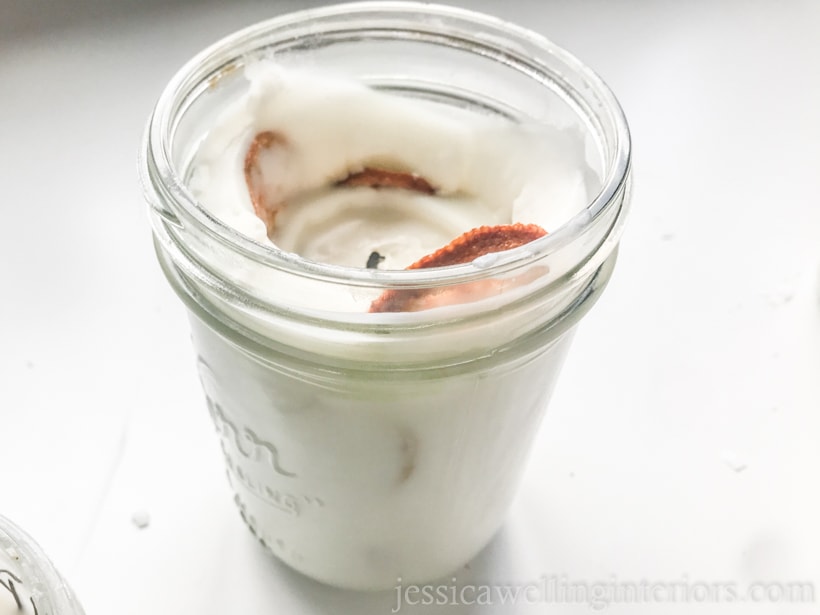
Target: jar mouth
162,178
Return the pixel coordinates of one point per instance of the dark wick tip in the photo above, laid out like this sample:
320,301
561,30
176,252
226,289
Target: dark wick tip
373,260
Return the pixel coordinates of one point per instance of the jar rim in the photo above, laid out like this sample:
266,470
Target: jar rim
156,152
38,573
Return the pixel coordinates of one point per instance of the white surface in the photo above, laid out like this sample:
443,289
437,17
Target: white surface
681,444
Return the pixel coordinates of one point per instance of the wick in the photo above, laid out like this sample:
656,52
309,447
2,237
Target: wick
373,260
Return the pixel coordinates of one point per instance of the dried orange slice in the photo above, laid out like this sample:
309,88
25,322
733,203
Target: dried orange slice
372,177
265,206
463,249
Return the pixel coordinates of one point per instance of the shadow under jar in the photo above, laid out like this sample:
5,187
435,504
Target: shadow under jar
363,447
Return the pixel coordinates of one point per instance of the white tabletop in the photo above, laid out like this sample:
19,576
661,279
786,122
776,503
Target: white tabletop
681,445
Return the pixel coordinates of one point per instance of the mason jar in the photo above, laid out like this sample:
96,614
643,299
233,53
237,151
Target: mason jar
29,582
364,448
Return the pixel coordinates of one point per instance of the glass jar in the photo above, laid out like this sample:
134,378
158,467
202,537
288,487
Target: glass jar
29,582
367,447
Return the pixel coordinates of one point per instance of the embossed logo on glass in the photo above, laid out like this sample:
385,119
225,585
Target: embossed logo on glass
244,452
246,441
283,500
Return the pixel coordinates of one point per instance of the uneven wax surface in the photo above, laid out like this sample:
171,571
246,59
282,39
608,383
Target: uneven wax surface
337,172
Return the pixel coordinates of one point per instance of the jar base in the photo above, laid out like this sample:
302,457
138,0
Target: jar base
365,582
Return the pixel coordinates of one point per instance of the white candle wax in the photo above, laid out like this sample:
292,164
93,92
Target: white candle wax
486,170
356,480
367,446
